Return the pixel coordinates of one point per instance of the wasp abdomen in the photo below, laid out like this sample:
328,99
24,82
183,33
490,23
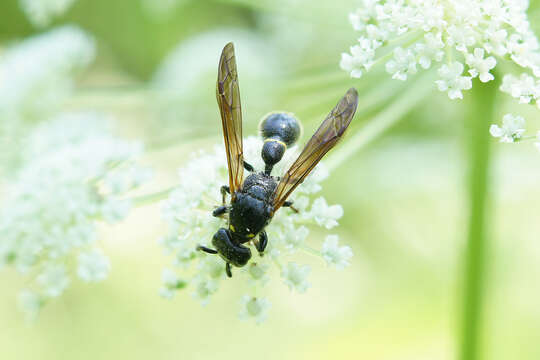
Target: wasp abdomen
278,130
273,151
281,126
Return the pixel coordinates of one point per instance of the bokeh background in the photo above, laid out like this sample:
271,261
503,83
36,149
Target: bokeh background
404,196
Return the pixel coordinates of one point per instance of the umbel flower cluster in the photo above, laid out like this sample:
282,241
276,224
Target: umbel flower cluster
32,91
188,213
462,39
75,174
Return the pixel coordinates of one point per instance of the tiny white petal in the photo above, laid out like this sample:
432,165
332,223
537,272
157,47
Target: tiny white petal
93,266
254,307
336,255
295,276
512,128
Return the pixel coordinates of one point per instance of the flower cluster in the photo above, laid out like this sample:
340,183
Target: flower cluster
525,88
76,173
42,12
465,39
512,129
36,77
188,213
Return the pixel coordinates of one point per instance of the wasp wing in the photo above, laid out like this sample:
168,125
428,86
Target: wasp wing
228,98
324,139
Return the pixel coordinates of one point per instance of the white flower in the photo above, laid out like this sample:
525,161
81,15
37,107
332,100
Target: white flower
36,78
296,238
351,64
430,50
325,215
361,17
461,37
188,214
472,33
34,89
495,41
404,63
50,212
203,289
525,88
512,128
53,280
362,55
171,283
452,81
336,255
253,307
295,276
93,266
41,12
258,273
478,66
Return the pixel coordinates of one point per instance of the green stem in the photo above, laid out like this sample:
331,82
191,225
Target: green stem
478,138
311,251
382,121
151,198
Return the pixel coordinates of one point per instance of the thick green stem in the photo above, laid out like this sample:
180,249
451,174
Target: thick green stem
478,141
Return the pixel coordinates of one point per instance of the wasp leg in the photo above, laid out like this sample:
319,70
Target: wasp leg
206,250
224,190
290,205
228,270
248,167
232,252
261,244
220,211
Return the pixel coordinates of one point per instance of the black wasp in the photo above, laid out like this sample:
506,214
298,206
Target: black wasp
255,200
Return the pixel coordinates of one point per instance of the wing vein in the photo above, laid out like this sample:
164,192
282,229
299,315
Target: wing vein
325,138
228,98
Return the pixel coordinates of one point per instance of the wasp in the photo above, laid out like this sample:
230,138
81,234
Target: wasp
255,200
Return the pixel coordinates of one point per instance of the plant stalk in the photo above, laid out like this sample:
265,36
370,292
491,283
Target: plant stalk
151,198
480,116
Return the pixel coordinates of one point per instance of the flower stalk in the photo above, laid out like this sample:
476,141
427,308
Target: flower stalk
152,198
480,114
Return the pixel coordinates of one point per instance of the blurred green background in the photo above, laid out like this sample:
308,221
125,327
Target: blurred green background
404,196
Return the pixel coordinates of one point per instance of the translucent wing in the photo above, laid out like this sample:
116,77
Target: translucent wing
228,98
324,139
